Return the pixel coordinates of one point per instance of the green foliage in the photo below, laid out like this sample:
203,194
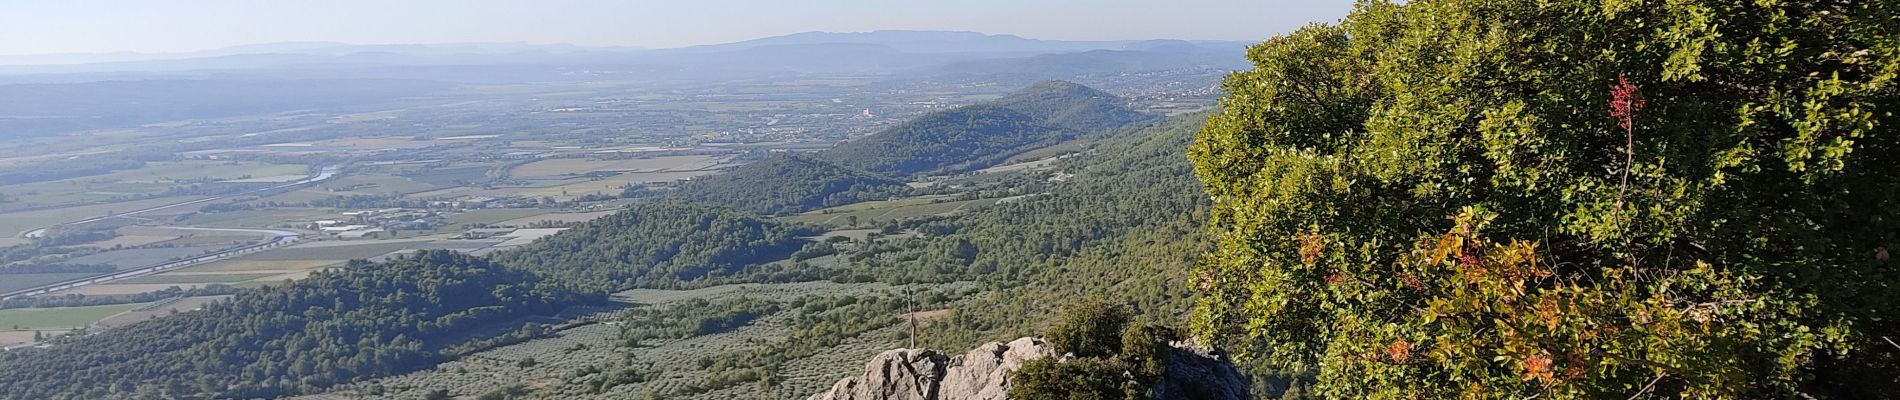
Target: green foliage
1126,225
821,322
1682,200
1146,349
1090,328
692,318
338,325
511,391
1078,379
785,183
662,244
1108,357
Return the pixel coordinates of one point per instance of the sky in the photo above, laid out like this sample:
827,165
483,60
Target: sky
161,26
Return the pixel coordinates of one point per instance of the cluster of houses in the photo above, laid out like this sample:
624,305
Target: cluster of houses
372,223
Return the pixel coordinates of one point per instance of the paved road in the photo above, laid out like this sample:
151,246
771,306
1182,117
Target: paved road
279,239
325,174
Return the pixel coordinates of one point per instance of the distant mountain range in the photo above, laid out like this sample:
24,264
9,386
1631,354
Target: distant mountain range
909,52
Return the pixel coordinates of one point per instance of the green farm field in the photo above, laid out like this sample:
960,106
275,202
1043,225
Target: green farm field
154,177
59,318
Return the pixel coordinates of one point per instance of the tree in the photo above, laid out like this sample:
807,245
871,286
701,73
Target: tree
1079,379
1683,201
1089,328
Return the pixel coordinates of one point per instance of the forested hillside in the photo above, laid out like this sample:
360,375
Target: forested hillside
1564,199
788,183
977,136
366,319
951,141
1125,227
1079,109
661,244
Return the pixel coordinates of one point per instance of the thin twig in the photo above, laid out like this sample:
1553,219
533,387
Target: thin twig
1890,341
1650,386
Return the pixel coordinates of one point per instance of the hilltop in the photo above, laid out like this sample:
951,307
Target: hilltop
1079,109
981,135
787,183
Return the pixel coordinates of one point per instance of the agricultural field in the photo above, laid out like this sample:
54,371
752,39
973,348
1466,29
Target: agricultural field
335,250
248,264
374,183
12,282
153,178
15,223
491,216
556,217
448,176
196,278
154,310
59,318
129,258
263,218
277,265
134,237
567,167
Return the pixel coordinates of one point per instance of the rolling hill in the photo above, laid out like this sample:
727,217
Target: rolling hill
1079,109
788,183
981,135
950,141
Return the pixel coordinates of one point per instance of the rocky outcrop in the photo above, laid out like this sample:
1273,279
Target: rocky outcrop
1199,372
1193,372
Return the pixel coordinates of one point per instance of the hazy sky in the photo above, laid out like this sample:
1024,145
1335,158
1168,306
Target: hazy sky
93,26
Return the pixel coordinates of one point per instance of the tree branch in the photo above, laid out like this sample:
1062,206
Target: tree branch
1649,387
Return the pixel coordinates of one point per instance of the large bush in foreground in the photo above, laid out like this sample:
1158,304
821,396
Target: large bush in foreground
1564,199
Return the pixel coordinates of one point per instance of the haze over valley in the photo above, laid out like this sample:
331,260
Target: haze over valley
1317,200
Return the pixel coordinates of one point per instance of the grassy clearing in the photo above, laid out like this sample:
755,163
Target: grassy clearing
59,318
886,210
182,305
9,338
